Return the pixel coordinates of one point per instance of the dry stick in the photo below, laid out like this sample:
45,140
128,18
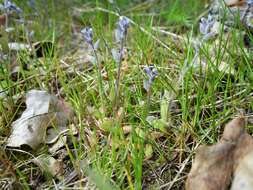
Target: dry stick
22,151
178,174
158,29
175,36
55,185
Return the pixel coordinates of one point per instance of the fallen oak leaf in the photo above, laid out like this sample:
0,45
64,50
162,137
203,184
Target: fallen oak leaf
43,110
213,165
243,174
243,163
212,168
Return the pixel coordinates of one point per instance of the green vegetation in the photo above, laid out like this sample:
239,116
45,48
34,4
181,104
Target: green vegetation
148,140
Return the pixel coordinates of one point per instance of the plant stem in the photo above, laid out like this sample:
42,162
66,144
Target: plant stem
118,76
148,102
99,74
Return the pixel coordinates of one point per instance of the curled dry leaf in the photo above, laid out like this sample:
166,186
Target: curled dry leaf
230,160
58,145
43,111
54,133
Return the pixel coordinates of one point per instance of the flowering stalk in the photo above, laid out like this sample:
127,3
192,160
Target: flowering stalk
88,37
10,7
205,28
119,70
120,36
152,73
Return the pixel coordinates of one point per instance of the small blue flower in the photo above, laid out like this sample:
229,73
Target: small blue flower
205,25
10,6
152,73
122,27
88,35
249,2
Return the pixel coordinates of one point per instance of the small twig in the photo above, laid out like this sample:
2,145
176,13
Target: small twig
173,35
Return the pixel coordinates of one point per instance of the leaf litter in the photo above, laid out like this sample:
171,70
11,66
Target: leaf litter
225,164
44,119
50,165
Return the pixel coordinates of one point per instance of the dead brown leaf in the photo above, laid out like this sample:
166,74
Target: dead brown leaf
230,160
232,3
44,120
2,20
